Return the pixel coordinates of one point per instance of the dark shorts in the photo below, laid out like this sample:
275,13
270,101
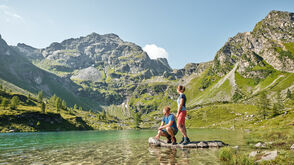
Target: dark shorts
175,131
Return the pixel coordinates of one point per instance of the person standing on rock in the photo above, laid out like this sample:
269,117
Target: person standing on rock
168,127
181,114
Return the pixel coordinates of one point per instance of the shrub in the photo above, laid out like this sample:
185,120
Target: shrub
226,154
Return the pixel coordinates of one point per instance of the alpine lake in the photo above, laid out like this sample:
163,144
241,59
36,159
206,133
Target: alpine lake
109,147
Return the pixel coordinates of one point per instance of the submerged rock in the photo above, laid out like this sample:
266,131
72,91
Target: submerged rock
194,144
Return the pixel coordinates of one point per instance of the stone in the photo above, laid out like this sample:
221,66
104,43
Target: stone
260,145
236,147
253,153
193,144
269,155
292,147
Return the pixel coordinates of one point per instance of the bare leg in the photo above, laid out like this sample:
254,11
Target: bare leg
182,129
170,131
185,129
160,133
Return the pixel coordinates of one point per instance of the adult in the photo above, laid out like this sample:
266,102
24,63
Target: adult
168,127
181,114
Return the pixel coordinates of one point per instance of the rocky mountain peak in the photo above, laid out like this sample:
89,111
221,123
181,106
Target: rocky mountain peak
275,14
3,47
271,42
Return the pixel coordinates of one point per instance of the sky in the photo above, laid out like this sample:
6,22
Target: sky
182,31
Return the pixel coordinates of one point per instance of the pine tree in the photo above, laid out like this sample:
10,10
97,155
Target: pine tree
103,114
40,96
289,94
280,103
58,104
263,105
43,107
4,103
14,102
80,108
137,119
52,99
1,87
276,110
75,107
63,105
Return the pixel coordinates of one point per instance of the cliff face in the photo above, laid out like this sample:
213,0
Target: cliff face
271,42
99,51
18,70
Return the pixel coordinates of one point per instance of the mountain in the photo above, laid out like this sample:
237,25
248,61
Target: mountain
19,71
105,70
101,69
248,64
104,52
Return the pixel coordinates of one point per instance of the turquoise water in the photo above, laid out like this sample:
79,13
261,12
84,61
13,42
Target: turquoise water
107,147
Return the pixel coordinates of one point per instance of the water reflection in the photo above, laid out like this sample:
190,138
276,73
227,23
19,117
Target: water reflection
170,156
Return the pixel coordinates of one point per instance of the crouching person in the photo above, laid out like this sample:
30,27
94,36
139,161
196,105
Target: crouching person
168,127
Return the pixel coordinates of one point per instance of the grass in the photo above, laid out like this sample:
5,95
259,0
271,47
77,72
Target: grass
222,116
29,118
289,52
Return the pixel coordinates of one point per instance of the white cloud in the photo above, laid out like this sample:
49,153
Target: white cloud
8,15
154,51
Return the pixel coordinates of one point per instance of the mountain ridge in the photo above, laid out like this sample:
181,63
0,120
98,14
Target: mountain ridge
109,70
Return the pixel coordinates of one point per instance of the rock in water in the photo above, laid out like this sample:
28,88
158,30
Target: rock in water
194,144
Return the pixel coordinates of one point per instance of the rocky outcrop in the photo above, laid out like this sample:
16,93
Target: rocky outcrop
271,42
195,144
88,74
264,155
30,52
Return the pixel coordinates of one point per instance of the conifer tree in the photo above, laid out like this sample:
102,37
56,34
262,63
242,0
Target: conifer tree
263,105
14,102
58,104
4,103
40,96
43,107
63,105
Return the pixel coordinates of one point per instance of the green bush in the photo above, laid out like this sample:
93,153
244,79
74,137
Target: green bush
226,154
244,159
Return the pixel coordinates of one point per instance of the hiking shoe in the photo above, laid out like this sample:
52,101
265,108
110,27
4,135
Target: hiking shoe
186,141
169,141
174,141
182,140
